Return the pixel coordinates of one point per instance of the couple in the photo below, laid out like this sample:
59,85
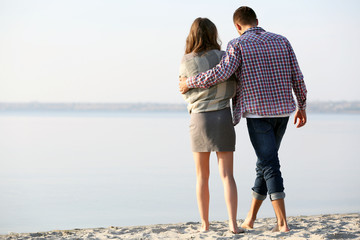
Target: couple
258,71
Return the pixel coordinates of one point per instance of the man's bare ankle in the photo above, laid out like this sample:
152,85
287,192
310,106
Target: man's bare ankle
282,228
205,226
248,223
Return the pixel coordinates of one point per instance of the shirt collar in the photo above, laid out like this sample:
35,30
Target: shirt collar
254,30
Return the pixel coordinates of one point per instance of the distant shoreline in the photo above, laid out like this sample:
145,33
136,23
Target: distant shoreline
352,107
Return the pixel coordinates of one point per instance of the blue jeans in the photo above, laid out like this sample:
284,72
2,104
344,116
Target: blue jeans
266,135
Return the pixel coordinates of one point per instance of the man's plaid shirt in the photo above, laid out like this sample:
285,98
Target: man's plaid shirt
267,69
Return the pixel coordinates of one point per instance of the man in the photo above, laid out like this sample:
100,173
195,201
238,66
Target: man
267,69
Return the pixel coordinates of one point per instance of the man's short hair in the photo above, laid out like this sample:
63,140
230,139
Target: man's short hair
245,16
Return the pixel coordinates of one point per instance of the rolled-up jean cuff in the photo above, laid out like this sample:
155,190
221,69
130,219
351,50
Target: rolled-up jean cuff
258,196
277,195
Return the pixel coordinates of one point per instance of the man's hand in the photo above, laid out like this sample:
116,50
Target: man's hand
301,115
182,85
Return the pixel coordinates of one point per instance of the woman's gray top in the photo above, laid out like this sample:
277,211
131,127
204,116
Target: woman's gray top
204,100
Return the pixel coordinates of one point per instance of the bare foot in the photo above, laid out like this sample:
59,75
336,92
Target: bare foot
234,228
237,231
204,227
278,228
248,223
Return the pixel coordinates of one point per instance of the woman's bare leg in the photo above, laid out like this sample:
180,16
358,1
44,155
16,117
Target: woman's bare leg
202,186
225,161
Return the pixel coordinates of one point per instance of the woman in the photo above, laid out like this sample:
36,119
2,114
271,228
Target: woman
211,127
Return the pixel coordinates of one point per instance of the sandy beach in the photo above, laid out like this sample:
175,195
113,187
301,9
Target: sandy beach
332,226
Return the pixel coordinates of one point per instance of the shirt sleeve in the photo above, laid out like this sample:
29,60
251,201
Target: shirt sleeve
298,83
221,72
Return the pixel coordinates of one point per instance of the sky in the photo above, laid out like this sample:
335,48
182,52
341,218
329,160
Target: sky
130,51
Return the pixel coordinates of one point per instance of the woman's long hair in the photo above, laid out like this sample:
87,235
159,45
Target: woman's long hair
203,37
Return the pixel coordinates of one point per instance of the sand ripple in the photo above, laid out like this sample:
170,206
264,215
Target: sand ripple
332,226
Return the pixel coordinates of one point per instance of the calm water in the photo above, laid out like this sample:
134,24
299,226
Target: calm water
72,170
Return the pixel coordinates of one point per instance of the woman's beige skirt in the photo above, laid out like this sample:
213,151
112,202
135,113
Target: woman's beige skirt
212,131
